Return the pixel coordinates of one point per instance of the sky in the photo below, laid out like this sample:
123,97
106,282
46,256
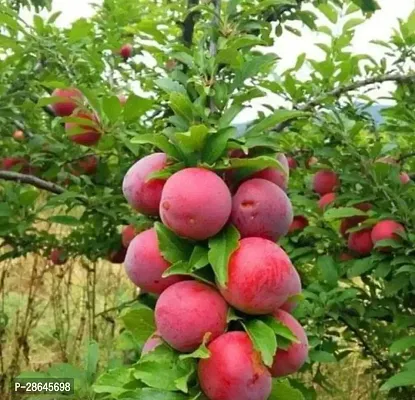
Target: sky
289,46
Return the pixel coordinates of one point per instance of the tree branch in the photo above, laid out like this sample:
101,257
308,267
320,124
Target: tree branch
406,156
317,101
31,180
189,24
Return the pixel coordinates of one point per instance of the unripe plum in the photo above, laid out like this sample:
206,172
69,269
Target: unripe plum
142,194
260,277
128,234
145,264
234,370
186,311
58,257
326,200
361,242
385,230
83,134
274,175
299,223
195,203
325,181
261,209
289,361
65,108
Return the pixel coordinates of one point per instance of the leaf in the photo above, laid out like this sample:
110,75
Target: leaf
367,5
112,108
351,23
360,267
322,356
402,344
271,121
64,220
406,378
201,352
221,247
199,258
182,106
388,243
263,338
91,362
81,29
135,107
139,321
5,210
194,139
239,42
229,115
172,247
329,11
113,381
158,140
170,86
163,369
342,212
216,144
282,390
178,268
328,269
280,329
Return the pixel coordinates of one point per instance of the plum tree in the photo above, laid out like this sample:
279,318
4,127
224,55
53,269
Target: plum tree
145,264
187,311
183,196
262,209
234,370
325,181
142,193
71,97
289,361
260,277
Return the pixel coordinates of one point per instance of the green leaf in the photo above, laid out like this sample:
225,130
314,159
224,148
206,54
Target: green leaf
229,115
91,362
178,268
139,320
182,106
216,144
342,212
163,369
367,5
172,247
113,381
402,344
64,220
81,29
406,378
135,107
221,247
201,352
280,329
263,338
271,121
199,258
170,86
327,266
112,108
194,139
158,140
282,390
5,210
360,267
351,23
239,42
329,11
322,356
388,243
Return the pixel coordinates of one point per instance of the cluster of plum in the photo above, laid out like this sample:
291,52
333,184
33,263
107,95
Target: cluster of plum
360,242
196,204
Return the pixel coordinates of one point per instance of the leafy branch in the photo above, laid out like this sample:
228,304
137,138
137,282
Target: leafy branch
31,180
341,90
